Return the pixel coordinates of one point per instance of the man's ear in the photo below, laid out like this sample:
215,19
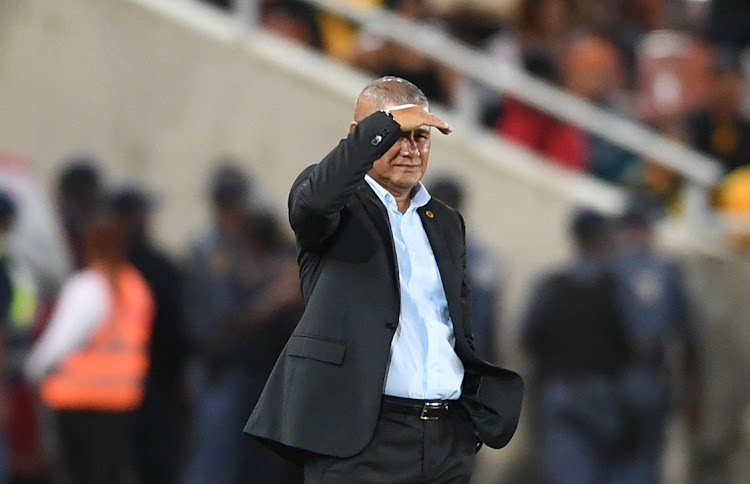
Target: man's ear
352,125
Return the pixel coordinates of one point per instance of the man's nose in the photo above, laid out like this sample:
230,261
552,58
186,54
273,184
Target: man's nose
409,147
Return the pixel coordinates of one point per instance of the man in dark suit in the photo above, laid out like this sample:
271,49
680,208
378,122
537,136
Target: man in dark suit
379,382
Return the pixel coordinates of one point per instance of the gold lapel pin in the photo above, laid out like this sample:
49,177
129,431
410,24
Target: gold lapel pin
429,214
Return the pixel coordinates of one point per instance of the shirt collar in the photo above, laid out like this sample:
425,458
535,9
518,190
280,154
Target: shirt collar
419,199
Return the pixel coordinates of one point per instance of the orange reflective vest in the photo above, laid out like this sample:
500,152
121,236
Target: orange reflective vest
108,373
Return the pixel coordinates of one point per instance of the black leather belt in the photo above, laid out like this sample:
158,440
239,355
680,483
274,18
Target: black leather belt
424,409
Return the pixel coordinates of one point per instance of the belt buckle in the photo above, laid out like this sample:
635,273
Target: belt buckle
430,406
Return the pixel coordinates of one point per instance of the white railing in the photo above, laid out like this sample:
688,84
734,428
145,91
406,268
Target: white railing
700,171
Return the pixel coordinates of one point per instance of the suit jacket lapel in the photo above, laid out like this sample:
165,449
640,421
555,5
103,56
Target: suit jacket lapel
449,271
379,216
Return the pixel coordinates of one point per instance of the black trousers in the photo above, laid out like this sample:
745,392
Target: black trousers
404,450
96,447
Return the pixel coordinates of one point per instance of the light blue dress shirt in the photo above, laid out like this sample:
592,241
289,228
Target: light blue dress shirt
423,363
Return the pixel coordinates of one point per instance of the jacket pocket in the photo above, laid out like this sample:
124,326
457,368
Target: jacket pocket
314,348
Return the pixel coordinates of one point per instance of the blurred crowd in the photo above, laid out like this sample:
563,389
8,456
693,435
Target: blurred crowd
139,368
134,367
612,339
678,66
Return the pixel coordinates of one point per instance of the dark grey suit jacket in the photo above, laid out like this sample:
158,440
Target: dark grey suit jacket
324,393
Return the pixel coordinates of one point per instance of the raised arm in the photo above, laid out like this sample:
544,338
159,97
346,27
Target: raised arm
318,195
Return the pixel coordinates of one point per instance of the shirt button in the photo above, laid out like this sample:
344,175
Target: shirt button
376,140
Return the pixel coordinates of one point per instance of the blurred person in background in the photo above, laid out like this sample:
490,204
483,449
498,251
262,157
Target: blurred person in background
7,219
274,306
243,300
591,68
160,419
216,294
388,58
563,143
79,195
91,361
720,129
659,325
484,275
339,35
541,31
293,19
626,21
539,26
575,335
536,29
36,258
21,459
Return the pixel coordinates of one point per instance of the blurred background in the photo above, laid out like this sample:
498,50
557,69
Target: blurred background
600,157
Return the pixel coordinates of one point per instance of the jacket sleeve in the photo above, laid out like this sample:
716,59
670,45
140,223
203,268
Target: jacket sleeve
319,193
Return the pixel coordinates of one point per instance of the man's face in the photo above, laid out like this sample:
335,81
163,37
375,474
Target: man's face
403,166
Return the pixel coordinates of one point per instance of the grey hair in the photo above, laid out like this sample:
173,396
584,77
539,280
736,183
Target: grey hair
393,90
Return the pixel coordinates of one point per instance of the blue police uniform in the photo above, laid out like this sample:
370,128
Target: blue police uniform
656,309
215,286
577,339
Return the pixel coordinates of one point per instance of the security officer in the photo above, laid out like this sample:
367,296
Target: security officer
216,294
656,314
576,337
